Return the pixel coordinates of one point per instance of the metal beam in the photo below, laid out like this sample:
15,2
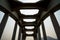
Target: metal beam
3,23
39,34
55,24
23,36
44,32
14,31
35,36
19,35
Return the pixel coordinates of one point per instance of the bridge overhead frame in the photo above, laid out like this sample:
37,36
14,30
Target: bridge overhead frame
44,11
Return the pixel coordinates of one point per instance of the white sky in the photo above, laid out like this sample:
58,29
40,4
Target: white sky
29,38
8,31
29,20
29,1
29,11
29,27
49,28
29,32
1,16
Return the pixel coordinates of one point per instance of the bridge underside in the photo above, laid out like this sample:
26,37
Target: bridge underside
46,8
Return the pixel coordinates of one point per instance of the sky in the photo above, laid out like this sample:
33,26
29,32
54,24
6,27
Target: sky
1,16
29,11
28,1
57,14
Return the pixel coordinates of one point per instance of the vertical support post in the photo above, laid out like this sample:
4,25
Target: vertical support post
44,32
19,36
14,32
3,23
35,36
23,36
55,24
39,34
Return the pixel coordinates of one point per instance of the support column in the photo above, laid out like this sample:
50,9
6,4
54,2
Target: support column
14,32
19,35
35,36
55,24
23,36
44,32
3,23
39,34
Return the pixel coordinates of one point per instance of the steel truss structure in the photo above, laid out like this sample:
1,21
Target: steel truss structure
44,12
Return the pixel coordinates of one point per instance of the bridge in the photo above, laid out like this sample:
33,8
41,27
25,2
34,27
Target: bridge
36,11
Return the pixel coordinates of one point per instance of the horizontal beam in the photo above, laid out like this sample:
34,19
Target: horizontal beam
29,24
42,5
